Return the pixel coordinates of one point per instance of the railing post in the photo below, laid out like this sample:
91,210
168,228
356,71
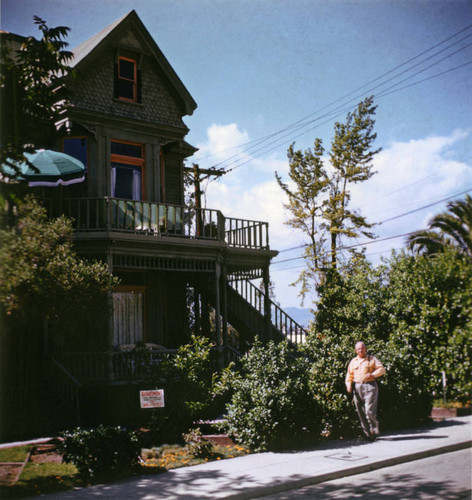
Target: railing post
108,212
221,226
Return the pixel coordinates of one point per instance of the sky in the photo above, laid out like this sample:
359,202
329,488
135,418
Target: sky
266,73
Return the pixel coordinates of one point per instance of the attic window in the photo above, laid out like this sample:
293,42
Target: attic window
127,80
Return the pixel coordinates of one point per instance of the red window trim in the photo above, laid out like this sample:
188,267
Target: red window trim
133,160
134,81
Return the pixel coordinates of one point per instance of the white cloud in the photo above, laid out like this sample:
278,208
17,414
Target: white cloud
410,175
223,142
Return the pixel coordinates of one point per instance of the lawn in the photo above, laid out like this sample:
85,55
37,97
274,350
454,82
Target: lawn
44,476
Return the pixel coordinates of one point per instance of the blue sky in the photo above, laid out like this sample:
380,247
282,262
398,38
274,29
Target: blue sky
255,67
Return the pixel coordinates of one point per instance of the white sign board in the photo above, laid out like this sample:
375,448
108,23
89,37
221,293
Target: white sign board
152,399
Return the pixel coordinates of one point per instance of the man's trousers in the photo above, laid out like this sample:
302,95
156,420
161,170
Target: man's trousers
365,399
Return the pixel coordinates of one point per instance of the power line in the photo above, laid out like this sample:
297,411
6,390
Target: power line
378,223
301,124
327,253
425,206
258,141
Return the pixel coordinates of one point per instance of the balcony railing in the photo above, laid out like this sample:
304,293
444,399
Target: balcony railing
142,217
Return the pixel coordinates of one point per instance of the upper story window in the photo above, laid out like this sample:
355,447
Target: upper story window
76,147
127,169
127,80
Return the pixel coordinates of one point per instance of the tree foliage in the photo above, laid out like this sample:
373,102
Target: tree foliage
450,228
33,97
415,313
319,194
41,277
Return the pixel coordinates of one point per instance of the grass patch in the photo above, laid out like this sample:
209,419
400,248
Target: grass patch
16,454
42,478
50,477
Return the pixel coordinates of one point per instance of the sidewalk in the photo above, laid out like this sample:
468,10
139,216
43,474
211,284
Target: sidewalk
260,474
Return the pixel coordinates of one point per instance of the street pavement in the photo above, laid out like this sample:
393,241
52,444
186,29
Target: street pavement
262,474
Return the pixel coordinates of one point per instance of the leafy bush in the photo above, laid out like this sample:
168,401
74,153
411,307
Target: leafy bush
272,406
413,316
188,379
103,453
197,445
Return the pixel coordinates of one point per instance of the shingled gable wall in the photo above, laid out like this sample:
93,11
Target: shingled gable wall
93,91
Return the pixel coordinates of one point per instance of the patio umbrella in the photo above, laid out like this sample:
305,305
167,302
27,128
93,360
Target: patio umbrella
54,169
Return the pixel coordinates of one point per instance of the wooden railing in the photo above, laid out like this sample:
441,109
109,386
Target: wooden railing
126,366
67,385
113,366
142,217
280,320
246,233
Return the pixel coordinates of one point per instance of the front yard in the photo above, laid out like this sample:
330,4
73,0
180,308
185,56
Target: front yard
38,468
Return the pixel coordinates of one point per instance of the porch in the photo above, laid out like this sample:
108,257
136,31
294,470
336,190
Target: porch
160,220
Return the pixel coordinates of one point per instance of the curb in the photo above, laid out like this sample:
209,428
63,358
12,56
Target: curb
380,464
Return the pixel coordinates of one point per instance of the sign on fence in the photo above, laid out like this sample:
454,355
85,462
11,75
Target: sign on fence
152,399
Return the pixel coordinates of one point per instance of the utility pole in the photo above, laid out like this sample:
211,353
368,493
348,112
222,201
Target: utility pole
197,175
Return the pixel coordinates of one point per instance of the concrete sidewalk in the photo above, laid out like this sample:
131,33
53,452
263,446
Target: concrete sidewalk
260,474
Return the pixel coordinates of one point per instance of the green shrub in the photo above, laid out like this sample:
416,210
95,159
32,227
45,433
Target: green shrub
272,406
197,445
103,453
187,379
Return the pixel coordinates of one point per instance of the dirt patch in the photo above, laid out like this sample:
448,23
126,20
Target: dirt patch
40,453
45,453
9,472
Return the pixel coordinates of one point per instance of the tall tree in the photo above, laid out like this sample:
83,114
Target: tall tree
319,192
450,228
306,203
32,97
351,158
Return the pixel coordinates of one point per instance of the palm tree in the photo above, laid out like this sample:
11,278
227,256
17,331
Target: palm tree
450,228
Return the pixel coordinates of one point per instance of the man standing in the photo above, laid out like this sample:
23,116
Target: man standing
362,371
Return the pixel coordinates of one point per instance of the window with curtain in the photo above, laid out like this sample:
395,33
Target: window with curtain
128,317
127,170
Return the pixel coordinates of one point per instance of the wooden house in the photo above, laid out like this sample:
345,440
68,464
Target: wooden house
182,269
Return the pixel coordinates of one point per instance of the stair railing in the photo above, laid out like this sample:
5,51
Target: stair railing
280,320
67,385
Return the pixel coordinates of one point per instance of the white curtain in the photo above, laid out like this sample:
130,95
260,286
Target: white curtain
128,318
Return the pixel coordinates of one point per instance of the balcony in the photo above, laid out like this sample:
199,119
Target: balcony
160,219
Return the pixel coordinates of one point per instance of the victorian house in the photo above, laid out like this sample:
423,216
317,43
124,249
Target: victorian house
181,268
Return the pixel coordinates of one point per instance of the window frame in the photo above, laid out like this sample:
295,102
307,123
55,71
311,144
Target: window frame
134,81
132,289
133,161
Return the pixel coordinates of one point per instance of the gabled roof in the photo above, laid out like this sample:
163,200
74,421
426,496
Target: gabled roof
131,21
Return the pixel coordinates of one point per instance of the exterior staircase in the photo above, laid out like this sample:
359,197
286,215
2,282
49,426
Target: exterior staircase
251,313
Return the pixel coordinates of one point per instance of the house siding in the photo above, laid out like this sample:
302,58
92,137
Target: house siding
93,91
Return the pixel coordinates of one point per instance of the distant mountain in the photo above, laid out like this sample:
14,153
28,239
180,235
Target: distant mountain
301,315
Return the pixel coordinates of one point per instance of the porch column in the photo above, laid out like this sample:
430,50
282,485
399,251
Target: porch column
219,337
267,318
196,310
224,305
206,328
110,323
